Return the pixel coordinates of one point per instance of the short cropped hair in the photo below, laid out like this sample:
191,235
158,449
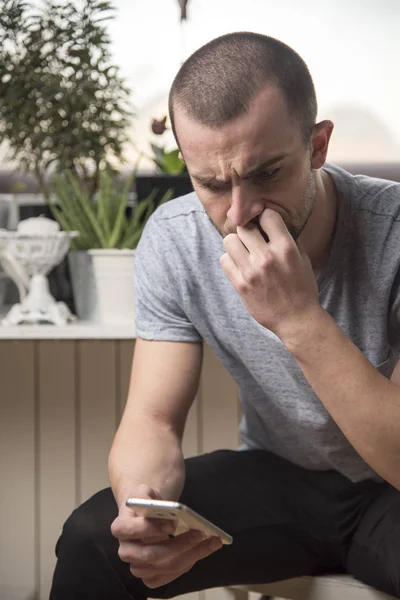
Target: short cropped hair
217,82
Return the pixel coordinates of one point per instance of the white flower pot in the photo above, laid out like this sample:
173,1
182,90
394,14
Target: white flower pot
83,285
113,272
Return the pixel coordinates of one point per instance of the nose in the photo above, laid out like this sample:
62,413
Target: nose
244,206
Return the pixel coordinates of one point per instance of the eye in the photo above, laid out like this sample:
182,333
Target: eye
210,187
267,175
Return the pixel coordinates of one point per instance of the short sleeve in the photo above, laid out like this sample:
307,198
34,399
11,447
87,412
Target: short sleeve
159,312
394,314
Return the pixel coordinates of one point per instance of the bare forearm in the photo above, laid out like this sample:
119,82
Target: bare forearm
364,404
146,452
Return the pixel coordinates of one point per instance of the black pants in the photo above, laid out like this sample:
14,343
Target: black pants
285,521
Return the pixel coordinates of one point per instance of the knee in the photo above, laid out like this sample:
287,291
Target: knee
88,527
377,566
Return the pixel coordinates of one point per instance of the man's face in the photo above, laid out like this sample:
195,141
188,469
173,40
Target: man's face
257,161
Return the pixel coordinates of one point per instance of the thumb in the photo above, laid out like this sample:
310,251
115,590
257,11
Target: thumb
145,491
301,248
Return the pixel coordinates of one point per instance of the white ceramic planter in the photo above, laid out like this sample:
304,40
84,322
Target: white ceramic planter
113,272
83,285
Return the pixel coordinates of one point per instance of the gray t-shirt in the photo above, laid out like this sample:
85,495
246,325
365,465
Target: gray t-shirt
184,295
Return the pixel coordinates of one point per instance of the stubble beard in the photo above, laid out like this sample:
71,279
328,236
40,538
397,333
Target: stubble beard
296,225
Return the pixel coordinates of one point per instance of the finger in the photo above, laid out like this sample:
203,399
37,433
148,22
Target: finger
154,554
253,237
150,572
182,564
137,527
156,538
145,491
262,232
274,226
129,525
231,270
236,249
239,246
300,246
156,581
191,556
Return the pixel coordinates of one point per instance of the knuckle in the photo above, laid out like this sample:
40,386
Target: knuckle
152,582
115,529
139,526
127,527
266,261
134,554
195,537
229,239
179,562
187,569
288,251
147,555
123,553
207,549
139,571
251,275
144,491
242,287
224,260
136,571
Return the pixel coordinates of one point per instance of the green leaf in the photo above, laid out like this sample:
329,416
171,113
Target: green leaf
87,207
55,56
71,200
167,196
102,222
104,202
120,218
172,163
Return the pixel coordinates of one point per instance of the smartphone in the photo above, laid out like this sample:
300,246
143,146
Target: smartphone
185,517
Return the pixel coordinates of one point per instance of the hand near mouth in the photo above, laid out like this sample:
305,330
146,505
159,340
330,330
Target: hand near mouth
275,280
260,229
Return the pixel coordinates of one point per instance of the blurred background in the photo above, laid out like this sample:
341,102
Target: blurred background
66,114
83,97
351,48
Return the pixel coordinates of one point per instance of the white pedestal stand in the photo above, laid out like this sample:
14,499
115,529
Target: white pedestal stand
39,306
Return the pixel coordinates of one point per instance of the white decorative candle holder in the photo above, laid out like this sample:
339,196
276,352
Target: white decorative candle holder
27,256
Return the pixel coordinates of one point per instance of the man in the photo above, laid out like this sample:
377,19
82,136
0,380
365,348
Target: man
288,268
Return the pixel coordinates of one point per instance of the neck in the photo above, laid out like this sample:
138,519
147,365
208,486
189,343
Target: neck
317,236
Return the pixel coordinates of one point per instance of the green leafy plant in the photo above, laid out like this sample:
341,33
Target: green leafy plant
102,221
168,162
165,161
63,104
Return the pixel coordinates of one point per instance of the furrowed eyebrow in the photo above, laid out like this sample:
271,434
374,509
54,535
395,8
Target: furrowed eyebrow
212,180
250,173
263,166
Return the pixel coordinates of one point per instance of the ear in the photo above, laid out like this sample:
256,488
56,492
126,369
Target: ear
180,155
320,138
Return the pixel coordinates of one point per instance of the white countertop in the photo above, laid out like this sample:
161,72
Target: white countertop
78,330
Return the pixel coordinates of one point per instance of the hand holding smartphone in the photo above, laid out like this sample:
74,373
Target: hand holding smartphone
185,517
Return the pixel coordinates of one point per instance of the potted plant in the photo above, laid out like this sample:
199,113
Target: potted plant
63,103
170,170
102,256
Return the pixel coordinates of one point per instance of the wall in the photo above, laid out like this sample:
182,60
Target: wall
60,405
351,48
